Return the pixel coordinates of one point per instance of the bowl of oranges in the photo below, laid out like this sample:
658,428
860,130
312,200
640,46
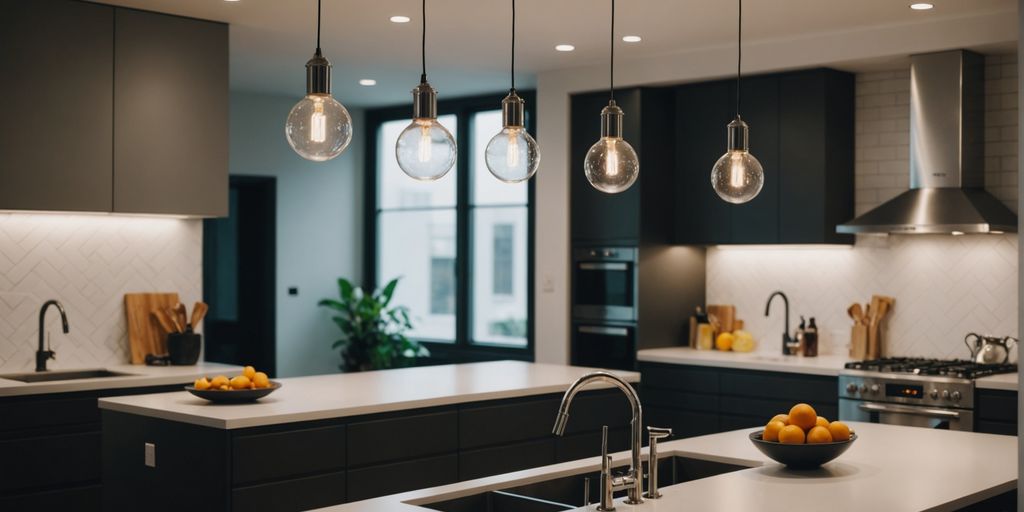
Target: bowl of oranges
248,386
802,439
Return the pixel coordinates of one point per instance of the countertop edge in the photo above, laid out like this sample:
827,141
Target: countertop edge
984,383
120,382
739,364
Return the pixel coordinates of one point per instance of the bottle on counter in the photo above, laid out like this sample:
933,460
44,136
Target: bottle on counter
795,346
811,340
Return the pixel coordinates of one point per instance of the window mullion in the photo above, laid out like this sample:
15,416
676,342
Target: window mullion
462,230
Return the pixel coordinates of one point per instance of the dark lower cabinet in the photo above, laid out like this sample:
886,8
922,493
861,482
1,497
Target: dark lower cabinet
299,466
50,450
995,411
697,400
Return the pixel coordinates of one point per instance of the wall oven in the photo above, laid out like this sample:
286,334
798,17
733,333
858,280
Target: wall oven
604,345
604,284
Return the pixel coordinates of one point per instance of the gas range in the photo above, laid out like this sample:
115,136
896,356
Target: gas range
933,393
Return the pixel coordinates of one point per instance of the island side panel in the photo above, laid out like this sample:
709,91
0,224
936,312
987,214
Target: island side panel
190,469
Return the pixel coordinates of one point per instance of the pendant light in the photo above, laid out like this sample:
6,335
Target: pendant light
611,165
738,177
425,149
318,127
512,155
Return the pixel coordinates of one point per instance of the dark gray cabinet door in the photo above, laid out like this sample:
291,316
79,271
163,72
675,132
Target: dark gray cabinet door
170,115
56,64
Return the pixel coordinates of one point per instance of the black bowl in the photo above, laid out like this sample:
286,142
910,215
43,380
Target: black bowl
801,456
233,396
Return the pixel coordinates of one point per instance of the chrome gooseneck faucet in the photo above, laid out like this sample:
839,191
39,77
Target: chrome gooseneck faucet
786,339
633,480
44,353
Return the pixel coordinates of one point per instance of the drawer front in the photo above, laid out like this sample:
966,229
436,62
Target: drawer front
995,427
402,438
86,498
373,481
286,454
31,414
729,422
592,410
811,389
674,399
50,461
506,422
686,378
683,423
291,495
504,459
997,405
581,446
766,409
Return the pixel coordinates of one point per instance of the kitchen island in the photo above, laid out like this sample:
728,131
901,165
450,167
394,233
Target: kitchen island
330,439
889,468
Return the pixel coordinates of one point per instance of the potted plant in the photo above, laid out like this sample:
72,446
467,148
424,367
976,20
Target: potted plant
373,331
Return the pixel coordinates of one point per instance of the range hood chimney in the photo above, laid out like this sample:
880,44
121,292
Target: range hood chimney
947,178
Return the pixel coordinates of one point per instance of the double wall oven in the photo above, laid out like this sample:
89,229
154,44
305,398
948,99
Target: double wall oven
604,307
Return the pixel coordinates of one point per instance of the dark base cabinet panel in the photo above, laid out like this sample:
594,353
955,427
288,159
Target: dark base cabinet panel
505,459
402,476
995,411
291,495
66,499
696,400
581,446
277,455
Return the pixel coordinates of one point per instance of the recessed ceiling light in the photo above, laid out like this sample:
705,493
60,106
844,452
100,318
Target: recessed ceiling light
367,82
956,233
632,39
921,6
399,19
232,0
565,47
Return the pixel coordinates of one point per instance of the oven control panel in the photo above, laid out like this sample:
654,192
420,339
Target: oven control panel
907,389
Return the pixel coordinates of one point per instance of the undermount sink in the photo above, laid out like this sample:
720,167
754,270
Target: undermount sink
566,493
57,375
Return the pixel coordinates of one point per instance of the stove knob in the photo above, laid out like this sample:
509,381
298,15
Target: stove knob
956,396
945,394
851,388
874,388
863,388
934,394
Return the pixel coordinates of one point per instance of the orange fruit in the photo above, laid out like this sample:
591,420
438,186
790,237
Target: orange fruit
261,380
819,435
791,434
240,382
249,372
784,418
219,382
772,429
201,384
803,416
822,422
839,431
724,341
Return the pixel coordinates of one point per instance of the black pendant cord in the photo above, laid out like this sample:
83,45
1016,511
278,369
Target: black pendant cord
423,45
611,66
318,27
739,54
512,71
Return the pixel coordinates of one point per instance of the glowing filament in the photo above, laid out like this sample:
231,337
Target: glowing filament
318,123
737,169
512,153
611,158
425,150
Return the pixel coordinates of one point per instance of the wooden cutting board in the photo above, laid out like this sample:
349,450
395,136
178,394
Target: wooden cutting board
725,314
145,336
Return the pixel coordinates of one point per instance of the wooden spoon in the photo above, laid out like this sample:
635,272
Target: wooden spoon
164,321
172,315
182,315
198,313
856,313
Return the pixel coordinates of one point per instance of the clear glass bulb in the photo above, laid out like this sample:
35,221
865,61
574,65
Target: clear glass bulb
737,177
512,155
611,165
425,150
318,127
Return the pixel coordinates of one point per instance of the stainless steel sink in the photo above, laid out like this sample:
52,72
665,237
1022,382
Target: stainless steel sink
567,491
58,375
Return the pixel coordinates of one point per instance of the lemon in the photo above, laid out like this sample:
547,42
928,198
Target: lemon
743,342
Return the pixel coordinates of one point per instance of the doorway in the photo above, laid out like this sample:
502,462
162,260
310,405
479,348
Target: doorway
239,276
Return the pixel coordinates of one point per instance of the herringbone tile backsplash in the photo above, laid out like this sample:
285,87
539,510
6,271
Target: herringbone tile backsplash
88,262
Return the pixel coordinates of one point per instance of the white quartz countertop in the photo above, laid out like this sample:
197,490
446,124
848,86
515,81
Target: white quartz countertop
821,365
891,468
1005,382
352,394
137,376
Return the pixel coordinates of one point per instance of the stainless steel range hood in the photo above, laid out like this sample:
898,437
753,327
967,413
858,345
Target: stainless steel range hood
947,176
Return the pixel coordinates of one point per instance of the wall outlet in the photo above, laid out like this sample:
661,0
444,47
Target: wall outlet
547,284
151,455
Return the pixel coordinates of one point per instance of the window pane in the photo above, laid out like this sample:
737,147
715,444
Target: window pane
486,188
395,189
498,278
419,247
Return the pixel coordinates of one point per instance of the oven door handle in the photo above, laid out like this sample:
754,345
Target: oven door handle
607,331
909,409
604,266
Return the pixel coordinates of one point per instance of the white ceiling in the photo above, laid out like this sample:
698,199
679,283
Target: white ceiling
467,40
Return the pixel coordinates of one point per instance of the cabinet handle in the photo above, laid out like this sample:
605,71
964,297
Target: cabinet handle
904,409
608,331
604,266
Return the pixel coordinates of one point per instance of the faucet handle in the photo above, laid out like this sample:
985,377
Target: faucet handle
653,435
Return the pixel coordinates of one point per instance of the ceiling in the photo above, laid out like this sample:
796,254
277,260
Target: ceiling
468,45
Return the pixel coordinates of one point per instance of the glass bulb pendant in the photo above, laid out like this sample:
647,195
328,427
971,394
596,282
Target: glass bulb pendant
512,155
425,149
319,128
737,177
611,165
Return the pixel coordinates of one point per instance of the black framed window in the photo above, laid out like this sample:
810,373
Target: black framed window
461,245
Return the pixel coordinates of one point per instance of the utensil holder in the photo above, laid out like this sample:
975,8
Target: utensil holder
183,347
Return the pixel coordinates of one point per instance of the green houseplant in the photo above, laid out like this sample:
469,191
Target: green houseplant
372,331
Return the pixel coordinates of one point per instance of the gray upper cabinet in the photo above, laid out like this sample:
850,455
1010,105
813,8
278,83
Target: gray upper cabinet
170,115
56,100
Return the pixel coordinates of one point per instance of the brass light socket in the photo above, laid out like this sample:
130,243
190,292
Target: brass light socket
739,135
424,100
611,120
513,110
318,74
